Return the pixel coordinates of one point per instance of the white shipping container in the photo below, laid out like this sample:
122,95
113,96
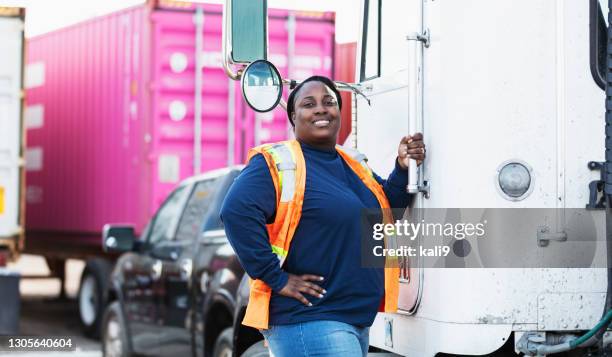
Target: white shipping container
11,129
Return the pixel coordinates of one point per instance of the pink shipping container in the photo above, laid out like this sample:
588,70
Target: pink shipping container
110,114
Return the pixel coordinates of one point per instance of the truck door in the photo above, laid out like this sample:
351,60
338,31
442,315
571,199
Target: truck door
143,272
390,72
175,290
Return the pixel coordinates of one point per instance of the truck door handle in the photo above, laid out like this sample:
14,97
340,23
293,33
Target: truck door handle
156,270
186,268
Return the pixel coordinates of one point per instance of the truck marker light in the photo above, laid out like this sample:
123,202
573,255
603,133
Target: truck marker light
1,200
9,11
514,180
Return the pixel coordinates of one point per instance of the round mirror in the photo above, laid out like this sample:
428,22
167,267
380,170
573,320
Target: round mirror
262,86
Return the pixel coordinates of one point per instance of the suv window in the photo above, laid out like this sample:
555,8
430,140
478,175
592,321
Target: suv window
166,216
192,220
214,221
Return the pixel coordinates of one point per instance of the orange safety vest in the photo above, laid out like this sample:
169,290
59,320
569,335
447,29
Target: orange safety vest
288,170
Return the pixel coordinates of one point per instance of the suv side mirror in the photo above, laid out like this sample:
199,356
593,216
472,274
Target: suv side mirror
118,238
249,29
166,252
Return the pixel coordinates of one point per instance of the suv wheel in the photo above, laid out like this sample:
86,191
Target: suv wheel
114,333
224,345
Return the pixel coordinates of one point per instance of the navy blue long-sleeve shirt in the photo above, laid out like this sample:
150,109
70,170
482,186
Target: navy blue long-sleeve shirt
327,240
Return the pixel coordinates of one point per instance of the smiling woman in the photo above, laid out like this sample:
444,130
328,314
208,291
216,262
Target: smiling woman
293,218
317,116
325,90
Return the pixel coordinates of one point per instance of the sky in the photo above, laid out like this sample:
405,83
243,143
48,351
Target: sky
47,15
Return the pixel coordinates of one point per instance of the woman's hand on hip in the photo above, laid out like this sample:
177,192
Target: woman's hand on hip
298,284
411,147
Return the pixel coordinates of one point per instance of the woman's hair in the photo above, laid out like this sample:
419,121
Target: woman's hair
291,100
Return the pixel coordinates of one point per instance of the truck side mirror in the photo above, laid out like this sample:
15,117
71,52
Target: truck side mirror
249,30
262,86
118,238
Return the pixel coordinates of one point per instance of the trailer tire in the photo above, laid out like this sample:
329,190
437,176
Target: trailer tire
257,350
93,295
224,344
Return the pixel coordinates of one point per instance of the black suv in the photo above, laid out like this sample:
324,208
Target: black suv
173,290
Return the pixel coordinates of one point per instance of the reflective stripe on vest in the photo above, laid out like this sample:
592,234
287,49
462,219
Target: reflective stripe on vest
286,167
285,161
357,156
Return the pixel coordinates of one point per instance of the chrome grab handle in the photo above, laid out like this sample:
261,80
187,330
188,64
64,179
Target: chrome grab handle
414,72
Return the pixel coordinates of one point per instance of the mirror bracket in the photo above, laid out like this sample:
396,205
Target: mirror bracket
226,43
228,61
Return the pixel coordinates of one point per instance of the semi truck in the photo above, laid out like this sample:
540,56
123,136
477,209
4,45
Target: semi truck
118,115
513,101
12,178
12,193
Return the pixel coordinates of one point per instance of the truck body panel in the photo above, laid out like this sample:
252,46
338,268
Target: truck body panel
11,130
484,98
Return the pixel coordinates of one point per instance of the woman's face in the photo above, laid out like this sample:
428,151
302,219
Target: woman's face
316,116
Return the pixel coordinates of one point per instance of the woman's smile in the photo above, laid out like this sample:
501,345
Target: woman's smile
321,123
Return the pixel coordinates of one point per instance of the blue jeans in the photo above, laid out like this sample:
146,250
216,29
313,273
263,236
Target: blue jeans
317,338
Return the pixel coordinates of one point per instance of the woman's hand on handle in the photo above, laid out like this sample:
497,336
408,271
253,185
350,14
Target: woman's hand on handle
411,147
298,284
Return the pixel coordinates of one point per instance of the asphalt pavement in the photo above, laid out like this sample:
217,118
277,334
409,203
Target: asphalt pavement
44,314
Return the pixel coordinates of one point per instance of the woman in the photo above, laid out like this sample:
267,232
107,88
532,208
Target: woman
322,301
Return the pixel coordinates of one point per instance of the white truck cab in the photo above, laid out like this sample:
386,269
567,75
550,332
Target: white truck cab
510,97
489,83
